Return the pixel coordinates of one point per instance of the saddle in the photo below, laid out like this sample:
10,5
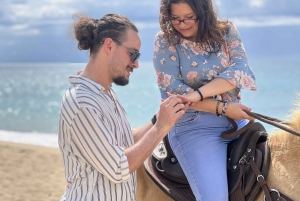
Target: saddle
248,160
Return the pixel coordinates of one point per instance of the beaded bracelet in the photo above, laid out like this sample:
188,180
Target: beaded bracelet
199,92
225,103
217,109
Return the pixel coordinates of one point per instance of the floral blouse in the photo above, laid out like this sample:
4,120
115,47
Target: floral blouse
187,65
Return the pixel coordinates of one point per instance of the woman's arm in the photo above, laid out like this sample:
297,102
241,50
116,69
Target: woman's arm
215,87
233,111
166,64
237,74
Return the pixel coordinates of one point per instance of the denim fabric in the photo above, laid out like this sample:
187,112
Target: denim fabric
201,152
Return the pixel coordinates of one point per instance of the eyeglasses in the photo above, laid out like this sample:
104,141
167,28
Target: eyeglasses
135,55
185,21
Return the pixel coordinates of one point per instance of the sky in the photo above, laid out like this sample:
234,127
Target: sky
41,30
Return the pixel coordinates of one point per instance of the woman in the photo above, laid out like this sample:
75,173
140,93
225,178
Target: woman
202,59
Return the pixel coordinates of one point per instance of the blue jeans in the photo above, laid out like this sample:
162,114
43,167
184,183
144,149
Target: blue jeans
201,151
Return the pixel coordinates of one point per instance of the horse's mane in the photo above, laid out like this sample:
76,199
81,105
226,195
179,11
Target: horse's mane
294,118
279,138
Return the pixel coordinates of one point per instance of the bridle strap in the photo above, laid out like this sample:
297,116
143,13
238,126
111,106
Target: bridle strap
273,121
269,120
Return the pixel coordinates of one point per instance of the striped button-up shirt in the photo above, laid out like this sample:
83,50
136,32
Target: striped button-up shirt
93,133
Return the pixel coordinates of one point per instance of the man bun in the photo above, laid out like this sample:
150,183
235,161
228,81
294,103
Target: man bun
91,33
84,29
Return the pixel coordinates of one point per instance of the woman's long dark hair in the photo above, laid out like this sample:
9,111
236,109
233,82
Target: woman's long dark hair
211,31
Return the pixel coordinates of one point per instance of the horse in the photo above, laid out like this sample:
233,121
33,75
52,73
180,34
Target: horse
284,170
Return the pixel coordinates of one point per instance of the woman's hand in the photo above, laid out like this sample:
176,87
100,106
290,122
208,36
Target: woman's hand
188,103
235,111
191,96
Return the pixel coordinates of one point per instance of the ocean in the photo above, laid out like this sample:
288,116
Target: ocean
30,95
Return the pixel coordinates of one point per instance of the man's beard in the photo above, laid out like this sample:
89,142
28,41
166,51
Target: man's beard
119,78
121,81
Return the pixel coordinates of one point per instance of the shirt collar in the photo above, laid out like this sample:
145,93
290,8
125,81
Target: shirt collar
93,86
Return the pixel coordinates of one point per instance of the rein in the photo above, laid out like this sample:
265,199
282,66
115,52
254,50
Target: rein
269,120
273,121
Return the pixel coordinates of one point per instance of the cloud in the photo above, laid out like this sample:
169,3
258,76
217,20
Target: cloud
54,17
24,30
32,12
266,21
146,25
257,3
19,30
252,8
58,13
32,15
35,24
28,17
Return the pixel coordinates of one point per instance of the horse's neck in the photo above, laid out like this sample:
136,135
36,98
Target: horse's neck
283,141
284,171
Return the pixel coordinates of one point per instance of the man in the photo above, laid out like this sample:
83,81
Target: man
100,151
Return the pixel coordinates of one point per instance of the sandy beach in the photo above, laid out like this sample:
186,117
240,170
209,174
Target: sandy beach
30,173
35,173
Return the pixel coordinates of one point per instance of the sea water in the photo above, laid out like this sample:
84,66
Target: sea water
31,93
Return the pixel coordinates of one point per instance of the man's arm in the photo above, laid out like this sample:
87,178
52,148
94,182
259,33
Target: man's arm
94,143
139,132
170,111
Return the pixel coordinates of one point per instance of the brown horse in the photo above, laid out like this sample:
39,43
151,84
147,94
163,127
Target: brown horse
284,172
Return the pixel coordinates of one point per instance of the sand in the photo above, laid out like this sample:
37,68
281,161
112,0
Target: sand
30,173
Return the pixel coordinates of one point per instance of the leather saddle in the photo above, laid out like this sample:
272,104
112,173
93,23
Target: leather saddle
165,171
174,184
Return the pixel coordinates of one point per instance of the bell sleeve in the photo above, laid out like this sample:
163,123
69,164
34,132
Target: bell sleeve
238,71
166,64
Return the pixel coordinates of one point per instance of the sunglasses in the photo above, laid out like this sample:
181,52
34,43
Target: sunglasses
135,55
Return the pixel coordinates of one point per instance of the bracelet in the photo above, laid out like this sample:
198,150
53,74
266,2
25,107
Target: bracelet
217,109
225,103
199,92
153,120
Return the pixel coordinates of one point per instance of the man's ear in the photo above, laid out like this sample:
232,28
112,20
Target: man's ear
107,45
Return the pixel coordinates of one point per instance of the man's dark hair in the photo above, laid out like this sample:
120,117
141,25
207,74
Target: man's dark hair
91,33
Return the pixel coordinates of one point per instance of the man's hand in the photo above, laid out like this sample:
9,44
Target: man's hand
171,109
186,98
191,96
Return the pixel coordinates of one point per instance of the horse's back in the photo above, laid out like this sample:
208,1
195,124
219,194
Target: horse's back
146,188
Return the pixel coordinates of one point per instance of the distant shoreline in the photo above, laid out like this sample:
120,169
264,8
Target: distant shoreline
34,138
